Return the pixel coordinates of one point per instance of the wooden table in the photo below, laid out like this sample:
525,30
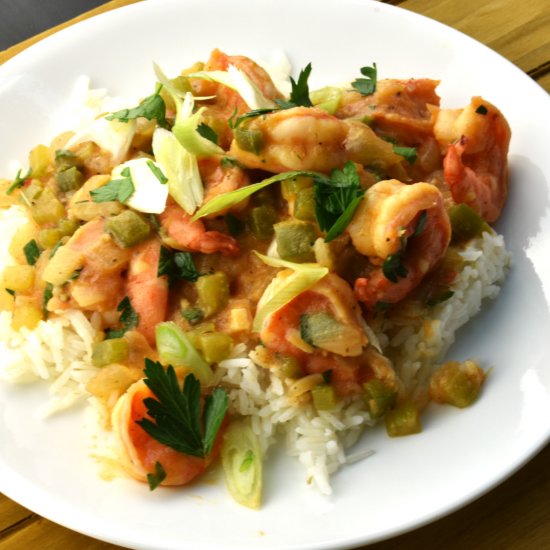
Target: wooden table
512,516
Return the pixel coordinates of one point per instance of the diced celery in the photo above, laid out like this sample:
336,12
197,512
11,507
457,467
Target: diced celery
115,350
213,292
403,420
261,220
379,398
323,397
249,139
304,205
69,180
215,346
295,240
128,228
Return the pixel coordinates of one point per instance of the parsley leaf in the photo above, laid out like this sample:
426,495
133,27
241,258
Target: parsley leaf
46,297
207,132
393,267
156,478
176,412
157,172
32,252
193,315
251,114
299,96
18,181
366,86
482,110
336,198
440,299
152,107
408,152
129,319
177,266
115,190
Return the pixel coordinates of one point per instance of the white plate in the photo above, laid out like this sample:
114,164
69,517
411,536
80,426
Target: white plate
409,481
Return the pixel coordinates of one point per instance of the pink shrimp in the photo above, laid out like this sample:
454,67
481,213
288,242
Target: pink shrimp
148,293
219,178
345,355
308,138
184,234
387,226
141,453
475,165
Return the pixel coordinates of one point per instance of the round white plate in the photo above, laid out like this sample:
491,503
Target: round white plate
45,465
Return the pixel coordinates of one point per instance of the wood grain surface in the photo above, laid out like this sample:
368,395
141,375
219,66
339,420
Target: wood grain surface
515,515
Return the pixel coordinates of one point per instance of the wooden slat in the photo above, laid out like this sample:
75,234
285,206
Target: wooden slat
11,514
518,31
49,536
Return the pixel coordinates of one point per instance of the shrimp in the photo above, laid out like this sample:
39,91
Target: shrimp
344,354
140,452
184,234
387,227
148,293
219,178
228,103
308,138
475,168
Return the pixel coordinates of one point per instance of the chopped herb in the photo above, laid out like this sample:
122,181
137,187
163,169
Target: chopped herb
482,110
409,153
234,224
247,461
129,319
327,376
336,198
299,96
10,291
193,315
75,275
393,267
207,132
251,114
63,153
228,162
55,247
440,299
18,181
46,297
156,478
421,224
176,412
366,86
151,108
115,190
32,252
177,266
157,172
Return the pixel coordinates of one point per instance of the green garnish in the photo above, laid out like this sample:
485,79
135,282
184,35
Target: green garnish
336,199
440,299
234,224
193,315
18,181
207,132
251,114
151,108
299,96
157,172
129,319
408,152
10,291
247,461
177,266
393,267
366,86
482,110
32,252
421,224
56,247
115,190
157,477
176,412
46,297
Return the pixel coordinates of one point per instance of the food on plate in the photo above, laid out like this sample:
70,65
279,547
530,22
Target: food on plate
229,261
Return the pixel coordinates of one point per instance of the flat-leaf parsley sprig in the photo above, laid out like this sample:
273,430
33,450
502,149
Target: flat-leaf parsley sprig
177,421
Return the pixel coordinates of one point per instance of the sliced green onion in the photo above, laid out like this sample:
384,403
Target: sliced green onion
282,290
181,169
237,80
241,458
175,348
226,200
